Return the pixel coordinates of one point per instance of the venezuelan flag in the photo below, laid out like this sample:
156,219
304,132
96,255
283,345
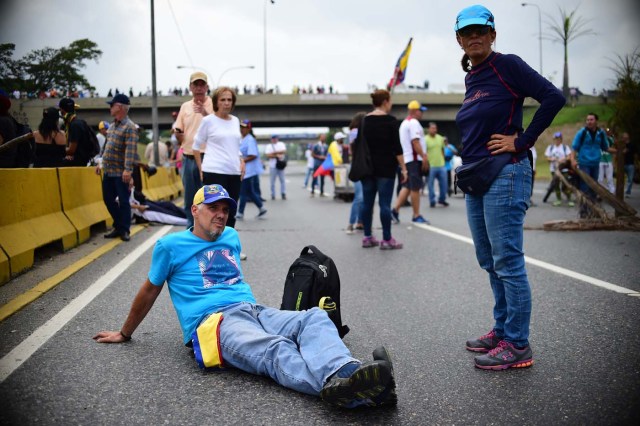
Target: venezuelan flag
325,168
401,66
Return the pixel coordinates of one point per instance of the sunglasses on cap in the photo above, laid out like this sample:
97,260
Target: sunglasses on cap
469,30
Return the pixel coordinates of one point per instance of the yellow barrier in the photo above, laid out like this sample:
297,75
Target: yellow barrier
81,192
5,272
31,215
158,186
176,182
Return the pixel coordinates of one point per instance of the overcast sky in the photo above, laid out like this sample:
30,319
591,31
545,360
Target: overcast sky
346,43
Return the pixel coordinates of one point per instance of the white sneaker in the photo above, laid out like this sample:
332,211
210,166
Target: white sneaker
239,216
243,256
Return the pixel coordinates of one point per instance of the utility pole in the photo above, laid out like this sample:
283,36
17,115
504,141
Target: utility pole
154,93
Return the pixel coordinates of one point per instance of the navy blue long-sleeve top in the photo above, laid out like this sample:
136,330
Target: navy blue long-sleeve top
495,93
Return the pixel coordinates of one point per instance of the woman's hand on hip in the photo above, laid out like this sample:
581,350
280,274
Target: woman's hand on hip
502,143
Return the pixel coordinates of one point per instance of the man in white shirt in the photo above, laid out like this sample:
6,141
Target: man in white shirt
411,139
276,152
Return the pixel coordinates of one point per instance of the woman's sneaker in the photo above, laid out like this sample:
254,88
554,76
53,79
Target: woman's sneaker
370,242
484,343
504,356
391,244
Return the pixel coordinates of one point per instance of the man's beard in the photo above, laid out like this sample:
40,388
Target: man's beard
214,235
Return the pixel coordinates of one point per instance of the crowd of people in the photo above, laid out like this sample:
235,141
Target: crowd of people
219,163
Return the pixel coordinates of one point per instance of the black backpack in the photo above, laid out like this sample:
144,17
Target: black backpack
94,145
313,280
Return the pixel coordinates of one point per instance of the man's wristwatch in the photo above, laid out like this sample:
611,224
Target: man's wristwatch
126,338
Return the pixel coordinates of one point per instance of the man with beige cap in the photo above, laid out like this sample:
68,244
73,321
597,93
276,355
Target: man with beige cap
185,128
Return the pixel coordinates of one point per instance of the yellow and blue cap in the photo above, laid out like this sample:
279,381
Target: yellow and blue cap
211,193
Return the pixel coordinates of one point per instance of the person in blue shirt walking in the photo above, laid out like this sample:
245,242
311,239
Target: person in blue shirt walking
490,122
253,169
589,144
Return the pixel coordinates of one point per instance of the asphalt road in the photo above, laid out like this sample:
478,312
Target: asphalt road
422,302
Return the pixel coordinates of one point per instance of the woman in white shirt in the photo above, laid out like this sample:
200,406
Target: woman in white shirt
220,134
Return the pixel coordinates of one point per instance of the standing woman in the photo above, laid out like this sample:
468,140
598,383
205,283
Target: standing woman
50,140
220,133
490,121
382,135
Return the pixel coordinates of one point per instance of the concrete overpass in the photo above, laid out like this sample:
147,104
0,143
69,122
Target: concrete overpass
303,110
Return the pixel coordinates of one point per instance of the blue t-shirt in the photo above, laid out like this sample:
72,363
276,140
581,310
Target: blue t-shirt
495,92
249,146
203,277
588,147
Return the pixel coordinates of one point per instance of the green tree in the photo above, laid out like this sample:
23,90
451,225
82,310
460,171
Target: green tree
569,28
46,68
627,99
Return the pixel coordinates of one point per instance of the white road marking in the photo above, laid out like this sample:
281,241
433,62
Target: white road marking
14,359
545,265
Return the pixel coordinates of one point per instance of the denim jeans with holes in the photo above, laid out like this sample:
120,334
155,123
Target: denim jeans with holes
496,220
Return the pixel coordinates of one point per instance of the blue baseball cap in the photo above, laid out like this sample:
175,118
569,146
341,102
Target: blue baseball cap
474,15
557,135
120,98
211,193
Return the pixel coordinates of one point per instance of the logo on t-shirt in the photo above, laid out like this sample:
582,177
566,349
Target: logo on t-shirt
218,267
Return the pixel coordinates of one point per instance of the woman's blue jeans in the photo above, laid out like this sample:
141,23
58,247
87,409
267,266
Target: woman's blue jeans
496,220
297,349
248,193
384,188
356,205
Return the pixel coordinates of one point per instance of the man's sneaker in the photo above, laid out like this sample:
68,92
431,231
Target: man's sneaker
504,356
239,216
557,203
420,219
262,212
366,383
391,244
370,242
432,205
388,396
444,203
484,343
243,256
395,216
571,203
349,229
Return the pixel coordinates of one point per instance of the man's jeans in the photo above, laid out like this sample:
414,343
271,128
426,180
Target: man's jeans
120,211
298,349
496,220
629,170
384,188
356,206
191,183
594,172
273,173
248,193
439,173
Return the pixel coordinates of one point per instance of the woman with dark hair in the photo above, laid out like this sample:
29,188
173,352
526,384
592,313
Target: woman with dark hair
50,140
220,134
490,121
381,133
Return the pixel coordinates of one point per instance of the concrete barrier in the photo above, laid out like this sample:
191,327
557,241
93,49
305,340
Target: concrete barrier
158,187
5,271
176,182
81,193
31,215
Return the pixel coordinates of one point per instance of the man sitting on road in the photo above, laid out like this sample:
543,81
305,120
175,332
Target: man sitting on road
300,350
